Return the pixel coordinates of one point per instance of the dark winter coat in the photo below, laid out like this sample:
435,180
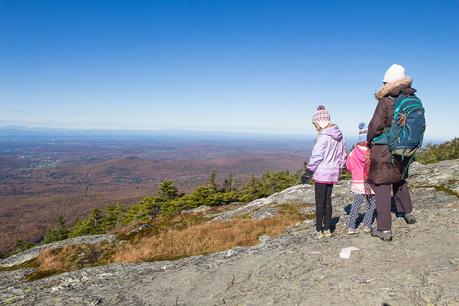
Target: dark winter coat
384,168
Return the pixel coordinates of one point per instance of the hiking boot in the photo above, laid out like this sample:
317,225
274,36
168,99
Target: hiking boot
409,218
352,231
366,229
383,235
327,234
320,235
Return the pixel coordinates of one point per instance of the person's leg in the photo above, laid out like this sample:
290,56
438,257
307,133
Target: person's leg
320,194
328,208
355,208
402,197
383,203
370,209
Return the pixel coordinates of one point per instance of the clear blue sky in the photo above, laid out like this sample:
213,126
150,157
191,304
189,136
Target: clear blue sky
255,66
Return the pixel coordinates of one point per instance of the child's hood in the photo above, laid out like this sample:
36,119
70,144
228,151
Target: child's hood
359,153
334,132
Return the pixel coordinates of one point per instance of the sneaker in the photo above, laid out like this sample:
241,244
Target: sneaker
409,218
320,235
366,229
327,234
352,231
383,235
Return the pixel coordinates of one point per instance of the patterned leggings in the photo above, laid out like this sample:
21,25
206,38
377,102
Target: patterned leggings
358,200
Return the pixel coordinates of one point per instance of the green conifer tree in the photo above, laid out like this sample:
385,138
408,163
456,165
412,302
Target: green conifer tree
212,180
228,184
59,232
167,190
113,215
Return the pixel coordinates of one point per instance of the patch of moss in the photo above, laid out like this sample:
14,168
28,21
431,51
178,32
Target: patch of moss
28,264
295,211
42,274
9,300
445,189
440,188
167,258
309,216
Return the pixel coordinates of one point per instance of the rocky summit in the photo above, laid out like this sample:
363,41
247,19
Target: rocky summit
419,267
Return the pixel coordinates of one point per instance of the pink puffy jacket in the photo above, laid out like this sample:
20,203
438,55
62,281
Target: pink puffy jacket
356,165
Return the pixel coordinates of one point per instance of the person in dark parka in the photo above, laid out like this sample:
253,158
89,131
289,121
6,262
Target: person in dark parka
388,173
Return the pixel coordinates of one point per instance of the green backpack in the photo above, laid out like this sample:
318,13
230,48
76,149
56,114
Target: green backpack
406,133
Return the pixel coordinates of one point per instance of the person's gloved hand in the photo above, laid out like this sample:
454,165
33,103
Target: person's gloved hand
306,176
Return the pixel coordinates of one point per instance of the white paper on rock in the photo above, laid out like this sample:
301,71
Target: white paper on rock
346,252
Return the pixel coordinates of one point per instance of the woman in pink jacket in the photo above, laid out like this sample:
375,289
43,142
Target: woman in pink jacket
357,164
325,165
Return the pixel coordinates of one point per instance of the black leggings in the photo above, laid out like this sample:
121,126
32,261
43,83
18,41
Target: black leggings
323,206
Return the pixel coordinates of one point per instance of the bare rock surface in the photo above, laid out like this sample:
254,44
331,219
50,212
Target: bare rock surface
265,207
196,210
443,175
419,267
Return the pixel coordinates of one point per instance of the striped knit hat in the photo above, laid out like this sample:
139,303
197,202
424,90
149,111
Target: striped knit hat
321,117
363,131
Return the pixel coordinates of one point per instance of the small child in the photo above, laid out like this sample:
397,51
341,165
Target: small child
357,164
325,164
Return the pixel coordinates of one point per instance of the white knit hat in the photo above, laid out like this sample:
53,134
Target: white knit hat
394,73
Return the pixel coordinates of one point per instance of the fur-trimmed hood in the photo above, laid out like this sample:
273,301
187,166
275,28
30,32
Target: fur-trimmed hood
394,88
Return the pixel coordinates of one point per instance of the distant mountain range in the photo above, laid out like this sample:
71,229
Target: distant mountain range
20,131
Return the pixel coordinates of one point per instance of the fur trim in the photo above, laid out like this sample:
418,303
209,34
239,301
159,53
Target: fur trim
394,87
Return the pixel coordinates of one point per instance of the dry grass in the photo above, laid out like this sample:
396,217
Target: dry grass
202,239
71,258
159,225
168,238
163,224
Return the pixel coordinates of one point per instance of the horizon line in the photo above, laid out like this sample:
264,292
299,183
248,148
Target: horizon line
153,130
179,130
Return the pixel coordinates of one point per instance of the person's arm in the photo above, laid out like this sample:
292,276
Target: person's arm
344,155
378,122
318,153
350,162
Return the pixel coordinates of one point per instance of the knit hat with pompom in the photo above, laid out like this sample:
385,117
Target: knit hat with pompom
363,131
321,117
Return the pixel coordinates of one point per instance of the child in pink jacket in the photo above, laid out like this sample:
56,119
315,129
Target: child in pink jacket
358,166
